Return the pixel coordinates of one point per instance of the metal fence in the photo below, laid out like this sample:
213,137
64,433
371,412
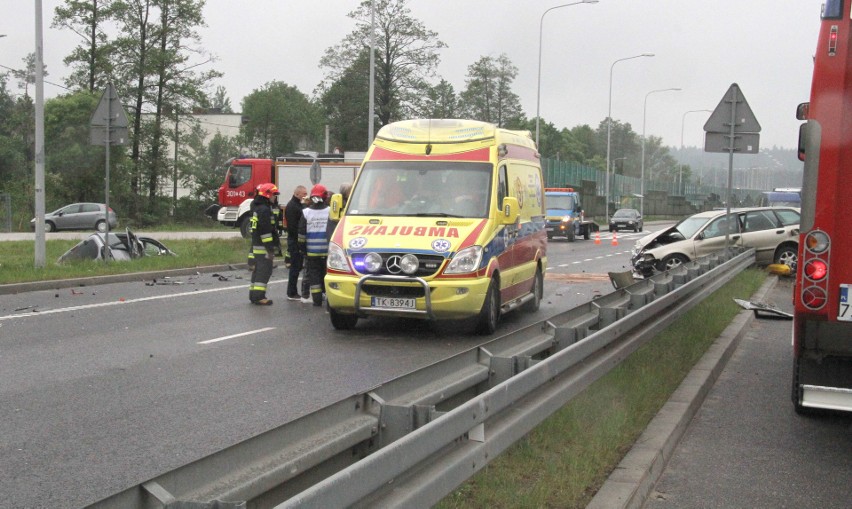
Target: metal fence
622,188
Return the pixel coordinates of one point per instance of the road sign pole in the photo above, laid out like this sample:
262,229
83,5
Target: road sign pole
107,251
731,147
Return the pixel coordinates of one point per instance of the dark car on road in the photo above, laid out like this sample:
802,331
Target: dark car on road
626,219
78,216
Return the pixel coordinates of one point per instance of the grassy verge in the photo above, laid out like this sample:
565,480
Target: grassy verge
565,460
17,259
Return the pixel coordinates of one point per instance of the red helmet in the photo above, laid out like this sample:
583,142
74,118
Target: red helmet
267,190
319,191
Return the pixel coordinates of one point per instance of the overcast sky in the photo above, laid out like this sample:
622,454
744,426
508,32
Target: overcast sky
700,46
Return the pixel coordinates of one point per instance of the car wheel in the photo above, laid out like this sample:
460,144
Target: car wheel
49,227
611,229
342,321
537,291
549,237
489,315
587,233
100,226
636,229
788,255
671,261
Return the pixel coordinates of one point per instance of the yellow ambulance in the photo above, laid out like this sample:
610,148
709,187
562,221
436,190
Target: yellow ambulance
446,220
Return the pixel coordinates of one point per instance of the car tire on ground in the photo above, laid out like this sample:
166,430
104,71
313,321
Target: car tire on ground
788,255
537,291
100,226
671,261
342,321
49,227
489,315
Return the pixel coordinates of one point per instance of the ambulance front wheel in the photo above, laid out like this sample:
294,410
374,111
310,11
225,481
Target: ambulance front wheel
489,315
342,321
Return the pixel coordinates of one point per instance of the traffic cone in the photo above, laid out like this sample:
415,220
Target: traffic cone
614,238
597,237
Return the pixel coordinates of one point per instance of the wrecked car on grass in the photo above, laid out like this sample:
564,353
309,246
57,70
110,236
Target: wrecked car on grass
772,231
122,246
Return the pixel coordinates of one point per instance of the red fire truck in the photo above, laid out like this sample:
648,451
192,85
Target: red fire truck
245,174
822,323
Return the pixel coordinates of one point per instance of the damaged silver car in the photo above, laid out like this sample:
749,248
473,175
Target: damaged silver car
773,232
122,246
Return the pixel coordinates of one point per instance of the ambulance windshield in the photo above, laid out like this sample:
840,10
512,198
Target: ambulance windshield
416,188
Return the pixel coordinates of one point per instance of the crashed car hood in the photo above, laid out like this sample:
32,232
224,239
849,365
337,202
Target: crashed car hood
648,239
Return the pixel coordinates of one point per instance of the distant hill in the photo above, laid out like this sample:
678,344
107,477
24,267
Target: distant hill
771,168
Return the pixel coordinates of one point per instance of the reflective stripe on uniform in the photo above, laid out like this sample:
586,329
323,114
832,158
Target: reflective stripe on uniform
258,287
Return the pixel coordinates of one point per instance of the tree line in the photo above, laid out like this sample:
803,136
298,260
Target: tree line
151,52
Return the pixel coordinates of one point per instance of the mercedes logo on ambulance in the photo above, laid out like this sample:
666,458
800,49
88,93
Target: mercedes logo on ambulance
393,264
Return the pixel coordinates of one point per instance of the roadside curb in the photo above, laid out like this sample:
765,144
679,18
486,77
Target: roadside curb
55,284
629,485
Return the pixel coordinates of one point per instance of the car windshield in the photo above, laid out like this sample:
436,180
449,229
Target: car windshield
565,202
439,189
626,214
690,225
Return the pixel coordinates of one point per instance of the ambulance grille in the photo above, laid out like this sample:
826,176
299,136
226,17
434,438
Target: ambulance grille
410,292
428,266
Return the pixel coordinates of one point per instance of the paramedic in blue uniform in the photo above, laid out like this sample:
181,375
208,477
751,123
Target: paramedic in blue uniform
313,240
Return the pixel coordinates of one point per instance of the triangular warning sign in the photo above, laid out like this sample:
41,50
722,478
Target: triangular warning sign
109,111
744,119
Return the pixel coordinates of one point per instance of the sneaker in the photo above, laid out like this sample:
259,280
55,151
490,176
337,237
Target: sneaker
307,300
293,297
262,302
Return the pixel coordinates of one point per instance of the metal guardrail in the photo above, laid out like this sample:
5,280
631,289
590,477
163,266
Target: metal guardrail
411,441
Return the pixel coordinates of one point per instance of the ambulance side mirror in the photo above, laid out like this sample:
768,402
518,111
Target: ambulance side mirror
336,207
510,210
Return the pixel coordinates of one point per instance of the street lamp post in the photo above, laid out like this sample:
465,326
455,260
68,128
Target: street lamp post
538,88
680,172
612,171
609,123
642,171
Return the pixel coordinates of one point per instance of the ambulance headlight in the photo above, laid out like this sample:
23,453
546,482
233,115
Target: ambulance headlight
409,264
466,260
336,258
373,262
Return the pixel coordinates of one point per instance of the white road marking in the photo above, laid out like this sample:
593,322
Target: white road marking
232,336
128,301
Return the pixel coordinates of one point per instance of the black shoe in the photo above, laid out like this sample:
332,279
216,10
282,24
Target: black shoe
317,303
262,302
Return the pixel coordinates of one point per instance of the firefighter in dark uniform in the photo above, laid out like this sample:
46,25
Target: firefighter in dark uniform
279,222
292,216
264,241
313,240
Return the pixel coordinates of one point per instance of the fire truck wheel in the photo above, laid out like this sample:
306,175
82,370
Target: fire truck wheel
341,321
245,228
489,315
